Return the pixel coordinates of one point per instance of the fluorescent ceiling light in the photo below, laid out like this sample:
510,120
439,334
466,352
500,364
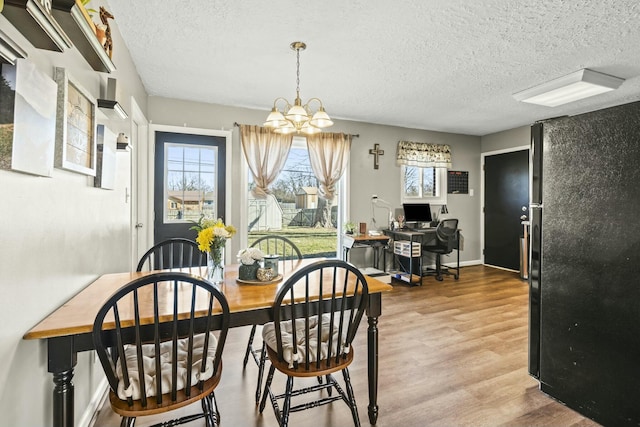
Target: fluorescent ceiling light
572,87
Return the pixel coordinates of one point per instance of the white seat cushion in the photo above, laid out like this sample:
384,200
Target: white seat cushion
150,377
269,337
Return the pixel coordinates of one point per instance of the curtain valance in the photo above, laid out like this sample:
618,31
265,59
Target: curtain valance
424,155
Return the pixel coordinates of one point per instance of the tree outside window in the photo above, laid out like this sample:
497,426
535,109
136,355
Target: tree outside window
420,182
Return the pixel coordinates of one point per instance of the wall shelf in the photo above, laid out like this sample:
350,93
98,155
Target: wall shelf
9,50
37,24
80,29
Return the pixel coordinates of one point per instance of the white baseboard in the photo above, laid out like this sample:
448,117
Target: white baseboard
463,263
90,414
503,268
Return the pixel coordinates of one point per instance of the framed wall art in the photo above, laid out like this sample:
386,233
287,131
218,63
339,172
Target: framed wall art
27,118
106,164
75,126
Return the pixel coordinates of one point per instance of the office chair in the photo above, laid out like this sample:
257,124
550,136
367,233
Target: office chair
288,251
313,338
156,342
175,253
446,242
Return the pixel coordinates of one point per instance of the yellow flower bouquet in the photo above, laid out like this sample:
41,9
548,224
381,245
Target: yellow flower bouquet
212,236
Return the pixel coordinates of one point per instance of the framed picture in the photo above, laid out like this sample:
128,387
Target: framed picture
106,164
75,127
27,118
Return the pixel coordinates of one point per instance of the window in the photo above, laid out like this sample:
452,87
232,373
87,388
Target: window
427,184
424,171
190,184
294,208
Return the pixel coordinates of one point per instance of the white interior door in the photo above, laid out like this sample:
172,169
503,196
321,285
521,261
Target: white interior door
139,140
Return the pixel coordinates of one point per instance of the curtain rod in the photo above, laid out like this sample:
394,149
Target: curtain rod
357,135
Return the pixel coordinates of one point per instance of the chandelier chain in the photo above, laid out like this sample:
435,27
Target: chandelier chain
298,72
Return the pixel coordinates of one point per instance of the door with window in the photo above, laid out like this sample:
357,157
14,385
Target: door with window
189,182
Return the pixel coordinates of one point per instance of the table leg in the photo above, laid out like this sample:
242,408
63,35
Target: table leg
384,258
62,360
373,311
63,399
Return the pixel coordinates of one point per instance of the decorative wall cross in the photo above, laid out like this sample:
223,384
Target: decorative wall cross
377,152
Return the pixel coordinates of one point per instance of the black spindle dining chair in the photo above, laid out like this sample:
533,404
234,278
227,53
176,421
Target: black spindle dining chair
313,337
160,340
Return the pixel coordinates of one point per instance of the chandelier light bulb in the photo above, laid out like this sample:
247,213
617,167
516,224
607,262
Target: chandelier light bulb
321,119
275,119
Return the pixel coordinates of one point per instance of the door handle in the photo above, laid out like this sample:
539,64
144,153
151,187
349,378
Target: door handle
139,225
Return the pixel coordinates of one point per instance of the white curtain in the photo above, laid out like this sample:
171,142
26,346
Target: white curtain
266,153
329,154
423,155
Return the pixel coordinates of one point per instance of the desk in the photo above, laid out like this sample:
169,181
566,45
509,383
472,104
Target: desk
68,329
350,241
423,236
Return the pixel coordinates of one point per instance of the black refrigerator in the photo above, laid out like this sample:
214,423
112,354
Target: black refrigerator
584,282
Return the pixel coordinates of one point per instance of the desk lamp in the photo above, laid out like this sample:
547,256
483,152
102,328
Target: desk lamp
375,201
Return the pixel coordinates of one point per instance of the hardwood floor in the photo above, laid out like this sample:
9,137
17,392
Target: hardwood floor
452,353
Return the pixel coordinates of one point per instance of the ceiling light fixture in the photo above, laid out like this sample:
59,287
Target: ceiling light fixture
572,87
298,118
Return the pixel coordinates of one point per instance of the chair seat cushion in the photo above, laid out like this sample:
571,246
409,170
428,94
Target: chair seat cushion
166,350
296,353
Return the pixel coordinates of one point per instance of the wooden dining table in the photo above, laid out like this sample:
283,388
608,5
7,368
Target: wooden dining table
68,329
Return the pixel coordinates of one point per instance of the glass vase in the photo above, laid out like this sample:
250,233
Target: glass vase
215,265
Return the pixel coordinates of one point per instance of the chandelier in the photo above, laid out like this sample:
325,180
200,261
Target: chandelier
298,118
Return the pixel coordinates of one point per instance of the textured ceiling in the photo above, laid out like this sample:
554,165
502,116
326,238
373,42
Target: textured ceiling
446,65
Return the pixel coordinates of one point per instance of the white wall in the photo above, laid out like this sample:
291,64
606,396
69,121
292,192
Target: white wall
57,235
511,138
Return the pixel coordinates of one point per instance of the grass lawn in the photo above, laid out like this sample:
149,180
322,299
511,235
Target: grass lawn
312,242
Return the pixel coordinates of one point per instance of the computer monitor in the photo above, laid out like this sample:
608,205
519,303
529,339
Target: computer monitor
417,212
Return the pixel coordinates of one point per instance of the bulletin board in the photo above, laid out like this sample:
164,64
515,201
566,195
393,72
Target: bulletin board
458,182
